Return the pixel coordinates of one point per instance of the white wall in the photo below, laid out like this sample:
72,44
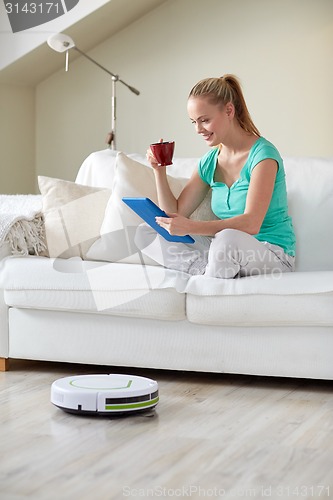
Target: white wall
17,139
280,49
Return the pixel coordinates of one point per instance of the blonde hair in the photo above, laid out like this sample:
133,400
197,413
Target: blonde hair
226,89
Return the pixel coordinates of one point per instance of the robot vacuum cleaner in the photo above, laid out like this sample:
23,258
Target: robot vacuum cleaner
104,394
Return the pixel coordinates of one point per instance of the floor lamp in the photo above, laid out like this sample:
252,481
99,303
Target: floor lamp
63,43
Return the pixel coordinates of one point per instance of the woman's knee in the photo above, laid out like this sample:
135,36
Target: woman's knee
226,242
229,237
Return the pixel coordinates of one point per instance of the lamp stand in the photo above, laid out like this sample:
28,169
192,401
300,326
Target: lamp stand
111,137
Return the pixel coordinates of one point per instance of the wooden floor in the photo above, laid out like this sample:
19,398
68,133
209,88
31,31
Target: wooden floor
211,436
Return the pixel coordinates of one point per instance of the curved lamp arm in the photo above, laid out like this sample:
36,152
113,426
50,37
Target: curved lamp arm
63,43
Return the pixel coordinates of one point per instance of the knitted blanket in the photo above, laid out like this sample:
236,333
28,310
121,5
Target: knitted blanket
22,224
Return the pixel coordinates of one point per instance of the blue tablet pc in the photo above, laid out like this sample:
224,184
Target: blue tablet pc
147,210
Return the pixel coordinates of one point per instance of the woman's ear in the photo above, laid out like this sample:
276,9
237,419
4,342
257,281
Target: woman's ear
230,109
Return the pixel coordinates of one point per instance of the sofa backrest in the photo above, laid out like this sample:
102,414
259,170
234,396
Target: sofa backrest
310,197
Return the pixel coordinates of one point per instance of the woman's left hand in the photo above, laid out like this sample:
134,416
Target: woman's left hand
175,224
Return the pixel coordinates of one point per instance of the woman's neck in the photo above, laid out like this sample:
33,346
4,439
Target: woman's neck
239,142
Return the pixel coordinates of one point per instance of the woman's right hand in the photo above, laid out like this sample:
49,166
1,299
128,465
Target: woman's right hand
151,158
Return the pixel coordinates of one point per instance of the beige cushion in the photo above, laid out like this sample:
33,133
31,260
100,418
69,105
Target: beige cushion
73,216
119,226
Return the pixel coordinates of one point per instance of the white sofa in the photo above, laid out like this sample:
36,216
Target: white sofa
133,314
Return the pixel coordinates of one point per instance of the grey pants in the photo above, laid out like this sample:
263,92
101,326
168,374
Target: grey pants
229,254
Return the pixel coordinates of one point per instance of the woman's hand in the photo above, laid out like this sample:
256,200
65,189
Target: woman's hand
175,224
151,158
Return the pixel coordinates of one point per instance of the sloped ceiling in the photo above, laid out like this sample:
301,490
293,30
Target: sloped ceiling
87,33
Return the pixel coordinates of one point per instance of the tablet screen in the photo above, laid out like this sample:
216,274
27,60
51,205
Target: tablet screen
147,210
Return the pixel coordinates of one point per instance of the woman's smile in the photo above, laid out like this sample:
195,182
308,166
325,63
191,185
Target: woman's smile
206,136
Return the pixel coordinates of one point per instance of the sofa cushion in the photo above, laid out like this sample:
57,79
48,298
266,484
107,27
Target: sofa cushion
77,285
73,215
310,198
302,298
98,169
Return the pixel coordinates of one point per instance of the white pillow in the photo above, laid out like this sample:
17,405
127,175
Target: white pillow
120,223
73,216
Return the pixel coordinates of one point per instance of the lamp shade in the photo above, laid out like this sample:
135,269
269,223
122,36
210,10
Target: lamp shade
60,42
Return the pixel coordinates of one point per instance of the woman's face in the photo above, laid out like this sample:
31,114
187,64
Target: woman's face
210,120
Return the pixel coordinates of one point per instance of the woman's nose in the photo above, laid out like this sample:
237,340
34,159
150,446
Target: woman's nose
199,128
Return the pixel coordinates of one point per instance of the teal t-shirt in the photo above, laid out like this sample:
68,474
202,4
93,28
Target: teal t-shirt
277,227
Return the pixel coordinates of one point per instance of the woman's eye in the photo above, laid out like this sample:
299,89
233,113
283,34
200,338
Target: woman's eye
204,120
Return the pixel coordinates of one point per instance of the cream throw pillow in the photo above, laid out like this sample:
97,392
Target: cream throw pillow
73,216
119,226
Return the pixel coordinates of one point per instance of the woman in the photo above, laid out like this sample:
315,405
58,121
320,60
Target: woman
253,233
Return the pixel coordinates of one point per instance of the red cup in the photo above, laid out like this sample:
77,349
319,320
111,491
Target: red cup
163,152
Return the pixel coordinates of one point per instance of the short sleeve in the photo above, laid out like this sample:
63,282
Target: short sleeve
264,151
